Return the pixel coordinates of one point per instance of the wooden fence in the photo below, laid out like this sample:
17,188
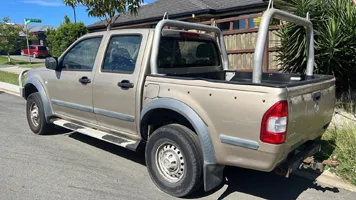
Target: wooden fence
241,43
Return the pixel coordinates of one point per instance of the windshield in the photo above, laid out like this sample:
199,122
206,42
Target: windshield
177,52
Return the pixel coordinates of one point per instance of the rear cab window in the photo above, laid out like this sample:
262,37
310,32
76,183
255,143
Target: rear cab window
187,51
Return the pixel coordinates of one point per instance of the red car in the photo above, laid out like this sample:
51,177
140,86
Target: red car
36,51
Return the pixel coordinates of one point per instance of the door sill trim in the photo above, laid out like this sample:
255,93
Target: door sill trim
119,141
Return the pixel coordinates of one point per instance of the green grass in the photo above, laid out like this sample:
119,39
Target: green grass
341,141
8,77
37,65
347,105
4,61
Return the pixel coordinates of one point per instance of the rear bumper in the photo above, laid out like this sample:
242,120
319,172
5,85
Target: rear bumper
294,162
266,157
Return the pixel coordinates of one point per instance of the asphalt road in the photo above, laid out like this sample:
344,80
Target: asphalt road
72,166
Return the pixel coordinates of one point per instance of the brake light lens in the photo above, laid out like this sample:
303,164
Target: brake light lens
274,123
189,35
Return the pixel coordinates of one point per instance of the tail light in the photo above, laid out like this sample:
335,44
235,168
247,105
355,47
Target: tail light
274,123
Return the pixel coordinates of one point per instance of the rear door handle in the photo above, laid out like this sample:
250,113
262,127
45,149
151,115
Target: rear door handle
84,80
125,84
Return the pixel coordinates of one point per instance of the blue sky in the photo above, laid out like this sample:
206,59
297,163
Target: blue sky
51,12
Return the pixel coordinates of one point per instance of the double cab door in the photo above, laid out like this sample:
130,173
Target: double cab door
98,81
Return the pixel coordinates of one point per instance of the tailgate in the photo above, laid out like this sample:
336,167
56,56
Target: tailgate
311,108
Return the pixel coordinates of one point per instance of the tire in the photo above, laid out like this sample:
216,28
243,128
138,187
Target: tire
35,115
183,144
34,55
22,53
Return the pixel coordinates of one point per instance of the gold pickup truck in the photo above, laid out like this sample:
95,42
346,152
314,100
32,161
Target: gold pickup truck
171,92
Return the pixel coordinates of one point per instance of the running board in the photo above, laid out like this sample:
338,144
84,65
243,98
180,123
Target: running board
120,141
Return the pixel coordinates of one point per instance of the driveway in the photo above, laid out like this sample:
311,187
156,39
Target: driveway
68,165
25,58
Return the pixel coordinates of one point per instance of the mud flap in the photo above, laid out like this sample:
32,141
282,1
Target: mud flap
213,176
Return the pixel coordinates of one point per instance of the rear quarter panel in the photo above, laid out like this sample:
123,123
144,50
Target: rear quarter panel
227,109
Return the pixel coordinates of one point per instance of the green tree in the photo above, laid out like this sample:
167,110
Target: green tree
9,37
334,24
107,10
71,3
61,38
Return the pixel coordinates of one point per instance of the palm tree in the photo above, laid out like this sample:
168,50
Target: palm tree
73,4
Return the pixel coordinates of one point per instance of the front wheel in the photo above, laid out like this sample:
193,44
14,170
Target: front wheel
35,115
174,160
34,55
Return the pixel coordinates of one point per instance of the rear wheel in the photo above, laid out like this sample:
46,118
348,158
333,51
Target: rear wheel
34,55
22,53
174,160
35,115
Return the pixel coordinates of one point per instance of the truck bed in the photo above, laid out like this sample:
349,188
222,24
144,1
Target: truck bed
274,79
311,101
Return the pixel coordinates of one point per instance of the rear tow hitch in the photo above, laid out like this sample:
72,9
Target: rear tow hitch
304,160
310,163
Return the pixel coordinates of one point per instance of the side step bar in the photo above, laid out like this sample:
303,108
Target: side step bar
120,141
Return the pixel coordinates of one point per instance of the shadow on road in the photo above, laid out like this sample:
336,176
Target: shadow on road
138,157
59,131
255,183
264,185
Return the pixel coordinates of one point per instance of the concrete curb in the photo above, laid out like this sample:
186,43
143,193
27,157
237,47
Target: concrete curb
326,178
10,88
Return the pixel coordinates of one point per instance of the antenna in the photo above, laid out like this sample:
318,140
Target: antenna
165,16
270,4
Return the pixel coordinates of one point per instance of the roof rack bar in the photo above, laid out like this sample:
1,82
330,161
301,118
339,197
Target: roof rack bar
270,4
165,16
262,38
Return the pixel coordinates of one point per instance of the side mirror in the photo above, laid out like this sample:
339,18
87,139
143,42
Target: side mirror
52,63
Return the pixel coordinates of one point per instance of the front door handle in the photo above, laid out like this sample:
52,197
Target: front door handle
125,84
84,80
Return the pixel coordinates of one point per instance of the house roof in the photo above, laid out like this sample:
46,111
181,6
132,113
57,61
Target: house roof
36,29
39,28
182,8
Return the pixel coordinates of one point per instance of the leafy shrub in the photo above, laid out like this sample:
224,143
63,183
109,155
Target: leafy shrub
61,38
335,39
341,141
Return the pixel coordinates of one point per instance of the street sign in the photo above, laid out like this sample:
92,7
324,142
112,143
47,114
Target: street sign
28,21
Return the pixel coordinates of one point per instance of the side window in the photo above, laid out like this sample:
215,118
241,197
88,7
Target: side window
82,56
32,47
121,54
